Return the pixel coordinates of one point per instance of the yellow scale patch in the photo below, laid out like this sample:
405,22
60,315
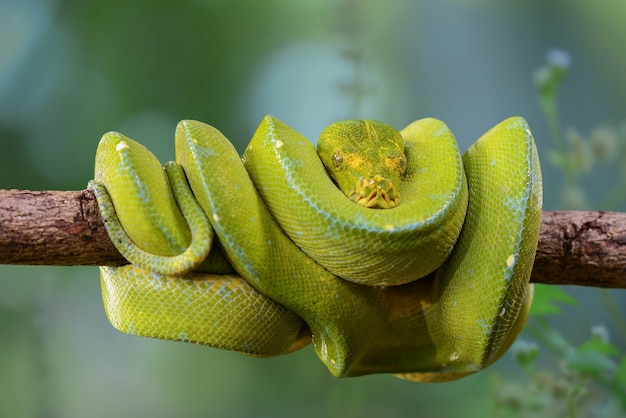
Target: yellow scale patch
353,160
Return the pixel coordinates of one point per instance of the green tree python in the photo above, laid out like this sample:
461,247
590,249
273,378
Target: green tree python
386,249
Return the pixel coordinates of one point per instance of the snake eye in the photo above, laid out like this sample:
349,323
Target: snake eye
337,160
397,163
402,163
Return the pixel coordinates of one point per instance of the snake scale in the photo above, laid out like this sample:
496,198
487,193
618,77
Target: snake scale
386,249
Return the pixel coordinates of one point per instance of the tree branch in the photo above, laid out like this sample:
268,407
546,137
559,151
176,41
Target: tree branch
55,228
64,228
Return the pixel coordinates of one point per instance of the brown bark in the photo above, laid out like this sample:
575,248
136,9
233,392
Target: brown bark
582,248
65,228
53,228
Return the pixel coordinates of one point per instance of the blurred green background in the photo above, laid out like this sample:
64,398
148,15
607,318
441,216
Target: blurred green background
71,70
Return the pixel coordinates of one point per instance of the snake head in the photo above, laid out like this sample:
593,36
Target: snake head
366,161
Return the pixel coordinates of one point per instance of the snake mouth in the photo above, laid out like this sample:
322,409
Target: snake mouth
376,193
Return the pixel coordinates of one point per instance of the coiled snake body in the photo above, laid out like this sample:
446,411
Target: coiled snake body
417,264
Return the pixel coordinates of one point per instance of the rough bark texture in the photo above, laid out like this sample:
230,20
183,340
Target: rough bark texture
65,228
53,228
582,248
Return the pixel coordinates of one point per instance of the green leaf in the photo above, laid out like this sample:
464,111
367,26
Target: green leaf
549,336
525,352
545,300
599,346
591,363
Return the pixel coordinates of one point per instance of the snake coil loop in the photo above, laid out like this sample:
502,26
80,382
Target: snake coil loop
432,288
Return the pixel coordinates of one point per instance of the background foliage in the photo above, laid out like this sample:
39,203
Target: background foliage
72,70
